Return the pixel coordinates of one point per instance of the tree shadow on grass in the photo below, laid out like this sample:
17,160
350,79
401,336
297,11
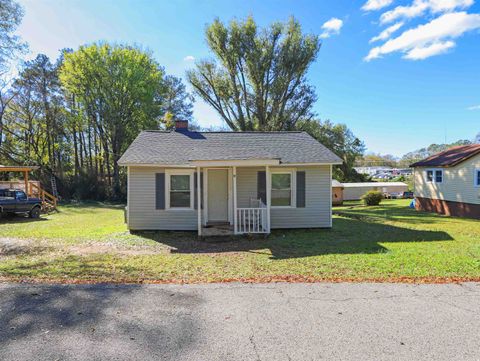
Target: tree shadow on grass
94,321
348,236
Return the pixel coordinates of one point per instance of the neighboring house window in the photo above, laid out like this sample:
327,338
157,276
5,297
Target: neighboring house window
283,189
477,177
429,175
180,189
435,176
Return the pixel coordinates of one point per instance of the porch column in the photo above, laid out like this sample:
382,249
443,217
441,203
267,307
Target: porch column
269,194
199,204
235,200
25,178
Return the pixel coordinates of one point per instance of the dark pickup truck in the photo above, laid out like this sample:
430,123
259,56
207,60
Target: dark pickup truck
16,201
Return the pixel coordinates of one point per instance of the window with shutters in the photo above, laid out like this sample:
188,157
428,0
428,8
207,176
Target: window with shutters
477,177
179,189
283,189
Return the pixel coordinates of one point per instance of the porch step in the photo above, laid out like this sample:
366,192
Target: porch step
216,231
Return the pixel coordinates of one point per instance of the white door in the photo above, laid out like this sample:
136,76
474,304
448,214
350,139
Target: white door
217,195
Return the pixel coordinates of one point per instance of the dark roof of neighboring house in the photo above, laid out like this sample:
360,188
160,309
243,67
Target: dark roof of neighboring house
450,157
181,147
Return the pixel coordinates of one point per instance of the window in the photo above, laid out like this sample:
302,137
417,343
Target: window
435,176
477,177
282,193
429,175
180,189
21,196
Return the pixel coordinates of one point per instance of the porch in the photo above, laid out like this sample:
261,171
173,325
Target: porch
229,206
30,187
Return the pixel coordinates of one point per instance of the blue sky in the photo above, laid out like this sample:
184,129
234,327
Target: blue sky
416,86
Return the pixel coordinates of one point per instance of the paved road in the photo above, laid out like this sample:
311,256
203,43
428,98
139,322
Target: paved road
240,322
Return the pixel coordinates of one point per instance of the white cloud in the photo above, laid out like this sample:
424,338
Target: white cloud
419,7
371,5
384,35
475,107
331,27
423,52
189,58
429,39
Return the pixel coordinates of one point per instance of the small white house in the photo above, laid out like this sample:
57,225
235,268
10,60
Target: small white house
245,182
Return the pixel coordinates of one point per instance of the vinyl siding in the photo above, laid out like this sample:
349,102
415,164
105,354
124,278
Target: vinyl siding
458,183
142,214
318,207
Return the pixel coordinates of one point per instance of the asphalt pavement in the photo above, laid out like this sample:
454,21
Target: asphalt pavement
235,321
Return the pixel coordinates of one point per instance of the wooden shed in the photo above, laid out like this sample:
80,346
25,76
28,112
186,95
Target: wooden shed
337,193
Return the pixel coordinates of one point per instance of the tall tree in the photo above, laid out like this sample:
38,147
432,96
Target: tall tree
34,122
11,14
176,101
258,81
341,140
118,88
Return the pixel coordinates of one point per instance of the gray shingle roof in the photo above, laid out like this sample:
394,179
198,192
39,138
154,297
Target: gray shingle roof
182,147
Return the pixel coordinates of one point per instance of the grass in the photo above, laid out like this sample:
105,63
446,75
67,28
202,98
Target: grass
390,242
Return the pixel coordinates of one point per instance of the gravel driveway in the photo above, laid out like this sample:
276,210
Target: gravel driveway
240,322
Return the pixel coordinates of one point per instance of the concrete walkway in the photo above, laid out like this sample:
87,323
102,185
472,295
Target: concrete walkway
240,322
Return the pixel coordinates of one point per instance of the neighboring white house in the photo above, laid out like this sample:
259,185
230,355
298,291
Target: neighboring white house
250,182
355,191
449,182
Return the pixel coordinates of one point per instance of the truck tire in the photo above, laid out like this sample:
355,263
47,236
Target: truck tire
34,213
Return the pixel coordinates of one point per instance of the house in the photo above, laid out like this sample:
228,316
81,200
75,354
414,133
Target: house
449,182
355,191
247,182
337,193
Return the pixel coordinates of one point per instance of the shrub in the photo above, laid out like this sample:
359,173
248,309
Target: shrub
372,198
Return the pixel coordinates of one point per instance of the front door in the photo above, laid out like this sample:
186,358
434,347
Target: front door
217,191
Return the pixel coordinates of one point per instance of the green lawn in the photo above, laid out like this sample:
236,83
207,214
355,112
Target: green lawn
89,242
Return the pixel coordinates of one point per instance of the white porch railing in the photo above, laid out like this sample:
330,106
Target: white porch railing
252,220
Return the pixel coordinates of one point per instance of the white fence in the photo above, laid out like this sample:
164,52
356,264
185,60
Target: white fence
252,220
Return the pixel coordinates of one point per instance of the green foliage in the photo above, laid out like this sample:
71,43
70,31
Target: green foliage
372,160
11,14
259,79
341,140
118,85
432,149
121,90
74,118
372,198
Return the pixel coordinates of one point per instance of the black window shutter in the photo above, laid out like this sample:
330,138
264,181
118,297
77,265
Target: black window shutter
301,189
160,190
262,186
195,199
